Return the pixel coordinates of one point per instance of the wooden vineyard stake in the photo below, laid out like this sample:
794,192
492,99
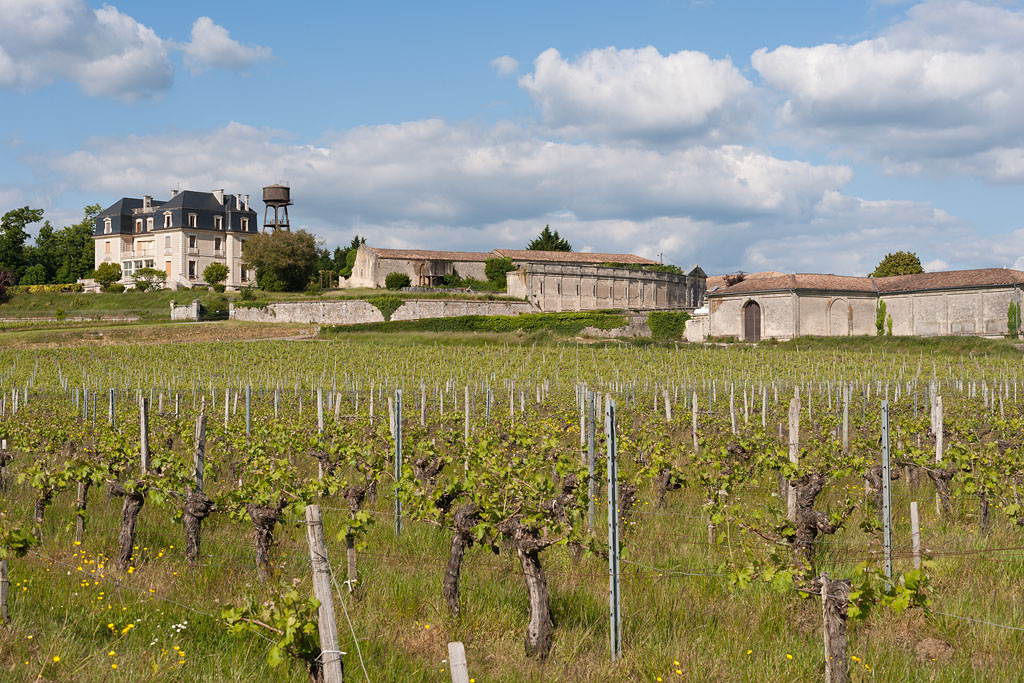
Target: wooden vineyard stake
696,442
591,460
794,455
5,583
457,662
330,656
886,493
915,534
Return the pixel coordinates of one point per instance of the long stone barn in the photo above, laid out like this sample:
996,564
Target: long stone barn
779,306
550,280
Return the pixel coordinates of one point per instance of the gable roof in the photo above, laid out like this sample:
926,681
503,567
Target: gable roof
537,256
429,255
951,279
800,281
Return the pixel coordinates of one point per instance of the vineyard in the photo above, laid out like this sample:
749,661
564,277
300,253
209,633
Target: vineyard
776,513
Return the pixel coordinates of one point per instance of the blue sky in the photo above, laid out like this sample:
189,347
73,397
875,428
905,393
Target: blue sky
802,136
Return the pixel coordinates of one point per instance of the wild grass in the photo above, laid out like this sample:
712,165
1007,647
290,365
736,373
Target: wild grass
697,625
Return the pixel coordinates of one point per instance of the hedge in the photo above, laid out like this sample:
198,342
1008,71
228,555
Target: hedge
387,304
562,323
49,289
667,325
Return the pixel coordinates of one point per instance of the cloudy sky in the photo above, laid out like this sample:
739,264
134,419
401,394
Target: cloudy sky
794,135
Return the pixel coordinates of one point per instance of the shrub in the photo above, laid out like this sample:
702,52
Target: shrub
667,325
880,319
560,323
495,269
141,285
59,314
396,281
247,294
218,287
115,288
1013,320
107,274
215,309
386,304
313,289
215,273
50,289
269,281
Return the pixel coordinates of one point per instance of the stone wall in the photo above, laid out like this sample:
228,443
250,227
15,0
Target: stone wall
190,311
348,312
785,315
952,312
698,328
557,288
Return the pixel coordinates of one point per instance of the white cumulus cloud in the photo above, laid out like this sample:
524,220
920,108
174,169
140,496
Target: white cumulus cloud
642,94
939,92
212,46
105,52
505,65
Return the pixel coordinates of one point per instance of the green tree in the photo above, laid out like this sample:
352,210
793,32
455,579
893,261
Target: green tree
1013,320
148,278
13,236
898,263
880,319
495,269
284,261
549,241
34,275
215,273
76,248
107,274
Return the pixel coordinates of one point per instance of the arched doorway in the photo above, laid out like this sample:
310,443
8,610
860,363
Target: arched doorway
839,319
752,322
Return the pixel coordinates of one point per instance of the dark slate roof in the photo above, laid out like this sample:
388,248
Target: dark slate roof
537,256
952,279
202,201
124,205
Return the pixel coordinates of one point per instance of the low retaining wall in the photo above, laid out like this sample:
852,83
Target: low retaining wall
190,311
350,312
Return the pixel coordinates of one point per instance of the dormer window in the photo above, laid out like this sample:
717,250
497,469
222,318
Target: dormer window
149,225
107,229
192,220
138,225
245,225
167,219
218,222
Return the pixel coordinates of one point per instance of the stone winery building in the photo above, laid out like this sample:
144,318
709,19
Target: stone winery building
180,236
551,280
780,306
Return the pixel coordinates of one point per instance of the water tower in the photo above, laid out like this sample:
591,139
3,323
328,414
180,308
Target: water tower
280,198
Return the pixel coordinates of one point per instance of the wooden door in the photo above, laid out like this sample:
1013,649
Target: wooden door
167,268
752,322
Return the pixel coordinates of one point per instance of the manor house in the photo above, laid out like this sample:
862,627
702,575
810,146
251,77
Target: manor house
180,236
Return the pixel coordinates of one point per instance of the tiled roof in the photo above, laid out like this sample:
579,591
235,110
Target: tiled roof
571,257
953,279
428,255
719,280
797,281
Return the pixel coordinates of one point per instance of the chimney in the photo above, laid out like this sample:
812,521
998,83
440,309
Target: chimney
174,193
219,194
147,202
246,202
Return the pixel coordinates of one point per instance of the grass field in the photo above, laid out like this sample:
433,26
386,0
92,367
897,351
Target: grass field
683,617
